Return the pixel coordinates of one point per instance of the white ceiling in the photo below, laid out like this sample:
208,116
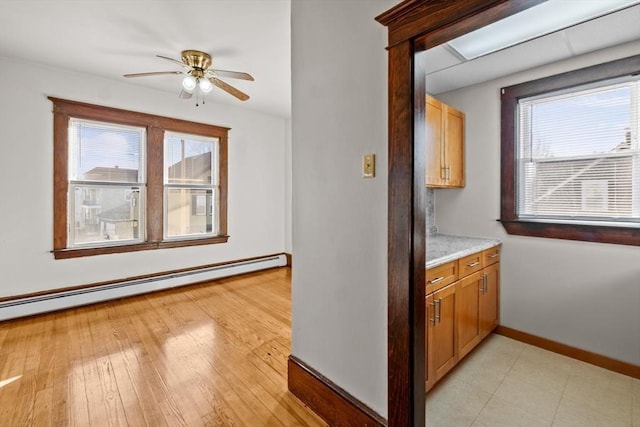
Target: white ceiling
447,71
109,38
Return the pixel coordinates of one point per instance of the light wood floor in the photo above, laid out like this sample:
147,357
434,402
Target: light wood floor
212,354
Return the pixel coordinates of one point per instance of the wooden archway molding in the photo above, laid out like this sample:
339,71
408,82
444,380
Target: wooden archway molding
414,26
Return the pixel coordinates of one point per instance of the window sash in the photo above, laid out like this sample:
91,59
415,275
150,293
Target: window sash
197,155
106,214
557,180
110,134
191,212
191,175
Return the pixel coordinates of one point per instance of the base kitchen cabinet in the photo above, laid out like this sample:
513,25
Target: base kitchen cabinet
468,313
461,309
440,315
489,295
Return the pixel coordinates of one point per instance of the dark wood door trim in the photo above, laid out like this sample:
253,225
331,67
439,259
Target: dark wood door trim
413,26
406,241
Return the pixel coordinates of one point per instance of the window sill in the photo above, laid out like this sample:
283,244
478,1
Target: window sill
582,232
103,250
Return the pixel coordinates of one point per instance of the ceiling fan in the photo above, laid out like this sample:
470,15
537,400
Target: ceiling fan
198,75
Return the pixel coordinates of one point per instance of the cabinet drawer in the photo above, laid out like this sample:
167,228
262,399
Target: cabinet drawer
441,276
469,264
491,255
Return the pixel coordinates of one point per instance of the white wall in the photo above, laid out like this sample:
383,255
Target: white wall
585,295
340,219
256,179
288,240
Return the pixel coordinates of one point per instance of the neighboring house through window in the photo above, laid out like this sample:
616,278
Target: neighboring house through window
571,156
127,181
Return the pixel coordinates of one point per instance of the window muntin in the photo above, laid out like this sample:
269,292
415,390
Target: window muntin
578,154
104,161
191,179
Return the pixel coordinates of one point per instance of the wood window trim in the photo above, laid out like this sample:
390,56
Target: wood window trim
64,110
413,26
508,215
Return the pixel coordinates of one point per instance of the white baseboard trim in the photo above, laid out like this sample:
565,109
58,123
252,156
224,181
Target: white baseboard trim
21,307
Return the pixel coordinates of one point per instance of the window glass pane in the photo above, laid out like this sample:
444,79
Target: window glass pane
583,123
190,212
190,160
102,152
106,214
578,154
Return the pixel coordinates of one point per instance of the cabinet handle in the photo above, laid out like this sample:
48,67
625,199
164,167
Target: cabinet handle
433,319
448,173
438,309
436,280
494,256
443,172
473,264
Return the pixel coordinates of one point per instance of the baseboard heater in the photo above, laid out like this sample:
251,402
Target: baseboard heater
28,306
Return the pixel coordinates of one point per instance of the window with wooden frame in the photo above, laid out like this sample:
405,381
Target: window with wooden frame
571,155
126,181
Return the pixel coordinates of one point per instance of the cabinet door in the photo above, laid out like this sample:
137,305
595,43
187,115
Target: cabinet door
489,299
454,147
435,138
468,312
441,345
430,315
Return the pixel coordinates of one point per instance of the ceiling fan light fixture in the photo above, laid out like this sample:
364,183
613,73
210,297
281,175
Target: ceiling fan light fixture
199,77
189,83
205,85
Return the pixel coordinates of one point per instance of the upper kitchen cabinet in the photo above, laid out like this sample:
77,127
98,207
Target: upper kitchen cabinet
445,145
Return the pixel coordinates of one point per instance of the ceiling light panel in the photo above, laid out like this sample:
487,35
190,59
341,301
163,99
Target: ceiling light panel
545,18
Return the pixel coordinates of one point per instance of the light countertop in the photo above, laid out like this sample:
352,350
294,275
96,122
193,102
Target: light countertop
443,248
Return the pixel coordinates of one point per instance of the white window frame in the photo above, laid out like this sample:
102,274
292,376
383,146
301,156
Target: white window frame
213,187
76,184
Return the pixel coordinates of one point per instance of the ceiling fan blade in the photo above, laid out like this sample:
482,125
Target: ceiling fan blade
182,64
184,94
232,74
229,89
153,73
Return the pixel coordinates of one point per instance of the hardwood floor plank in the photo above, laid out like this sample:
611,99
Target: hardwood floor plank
212,354
26,361
184,347
60,386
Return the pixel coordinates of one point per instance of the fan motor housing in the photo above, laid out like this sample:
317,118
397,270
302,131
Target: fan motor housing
194,58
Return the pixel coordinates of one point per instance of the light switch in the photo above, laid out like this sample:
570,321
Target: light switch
369,166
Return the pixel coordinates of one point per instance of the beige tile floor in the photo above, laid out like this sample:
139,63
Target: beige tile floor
506,383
